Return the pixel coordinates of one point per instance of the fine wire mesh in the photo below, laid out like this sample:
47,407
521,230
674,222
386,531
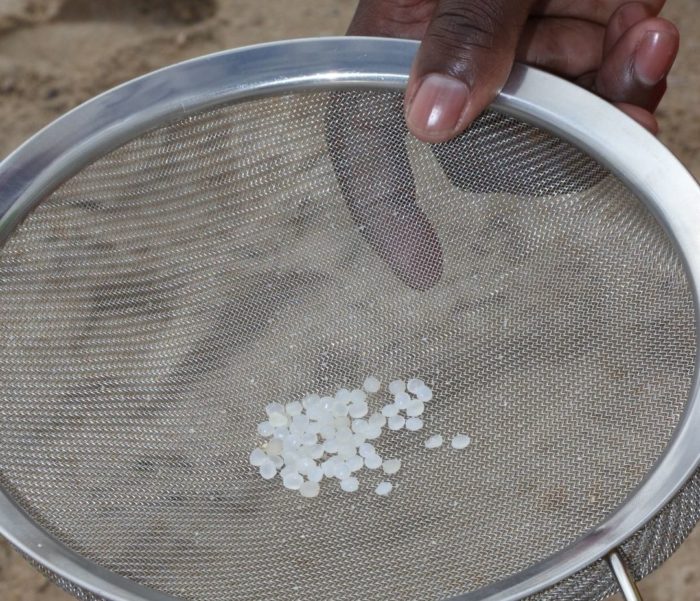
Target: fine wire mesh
160,298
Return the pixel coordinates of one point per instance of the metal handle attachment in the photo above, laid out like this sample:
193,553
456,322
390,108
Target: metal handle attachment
628,587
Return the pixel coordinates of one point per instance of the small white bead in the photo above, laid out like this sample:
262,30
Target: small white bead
402,400
371,384
339,409
292,481
278,420
281,433
309,439
343,395
346,450
305,464
358,439
396,422
327,468
310,400
383,488
341,422
266,429
414,384
287,469
415,408
293,408
391,466
373,462
274,447
366,449
257,457
390,410
414,424
373,432
355,463
433,442
377,419
316,451
397,386
326,402
359,426
349,484
424,394
461,441
327,431
358,409
341,471
343,435
315,474
358,396
268,469
309,489
273,408
277,461
330,446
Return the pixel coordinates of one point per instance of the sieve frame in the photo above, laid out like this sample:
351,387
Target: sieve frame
109,120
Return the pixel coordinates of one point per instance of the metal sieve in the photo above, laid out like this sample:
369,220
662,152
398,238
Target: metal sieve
256,225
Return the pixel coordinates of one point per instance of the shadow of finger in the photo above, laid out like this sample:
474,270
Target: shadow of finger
366,137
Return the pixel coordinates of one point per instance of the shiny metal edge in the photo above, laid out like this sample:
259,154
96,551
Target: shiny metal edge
111,119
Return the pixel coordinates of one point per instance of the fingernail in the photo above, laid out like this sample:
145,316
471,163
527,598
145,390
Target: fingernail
654,55
437,105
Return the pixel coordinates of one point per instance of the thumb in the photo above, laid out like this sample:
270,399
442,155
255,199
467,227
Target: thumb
463,62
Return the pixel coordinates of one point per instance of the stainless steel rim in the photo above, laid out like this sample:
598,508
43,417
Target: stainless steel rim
109,120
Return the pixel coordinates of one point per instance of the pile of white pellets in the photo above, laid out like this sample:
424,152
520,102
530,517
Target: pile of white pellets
329,437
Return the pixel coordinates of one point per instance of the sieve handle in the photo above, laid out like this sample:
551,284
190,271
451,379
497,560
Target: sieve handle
628,587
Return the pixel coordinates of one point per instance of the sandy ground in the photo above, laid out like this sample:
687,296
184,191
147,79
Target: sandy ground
55,54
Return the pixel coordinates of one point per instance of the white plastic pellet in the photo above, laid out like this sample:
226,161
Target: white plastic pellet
281,433
316,413
350,484
413,424
327,468
315,474
424,394
268,469
326,402
301,421
341,422
373,432
316,451
397,386
390,410
396,422
414,384
327,431
355,463
266,429
342,394
373,462
346,450
278,420
358,396
358,409
305,464
309,489
343,435
277,461
377,420
257,457
366,449
461,441
292,481
371,384
358,439
273,408
310,401
293,408
330,446
402,400
309,439
341,471
274,447
359,426
383,488
391,466
415,408
433,442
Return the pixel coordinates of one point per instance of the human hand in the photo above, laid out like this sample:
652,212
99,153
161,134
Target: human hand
620,50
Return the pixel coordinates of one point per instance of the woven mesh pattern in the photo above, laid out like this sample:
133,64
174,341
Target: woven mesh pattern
158,300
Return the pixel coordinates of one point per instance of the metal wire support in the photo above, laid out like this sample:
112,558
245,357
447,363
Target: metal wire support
628,587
